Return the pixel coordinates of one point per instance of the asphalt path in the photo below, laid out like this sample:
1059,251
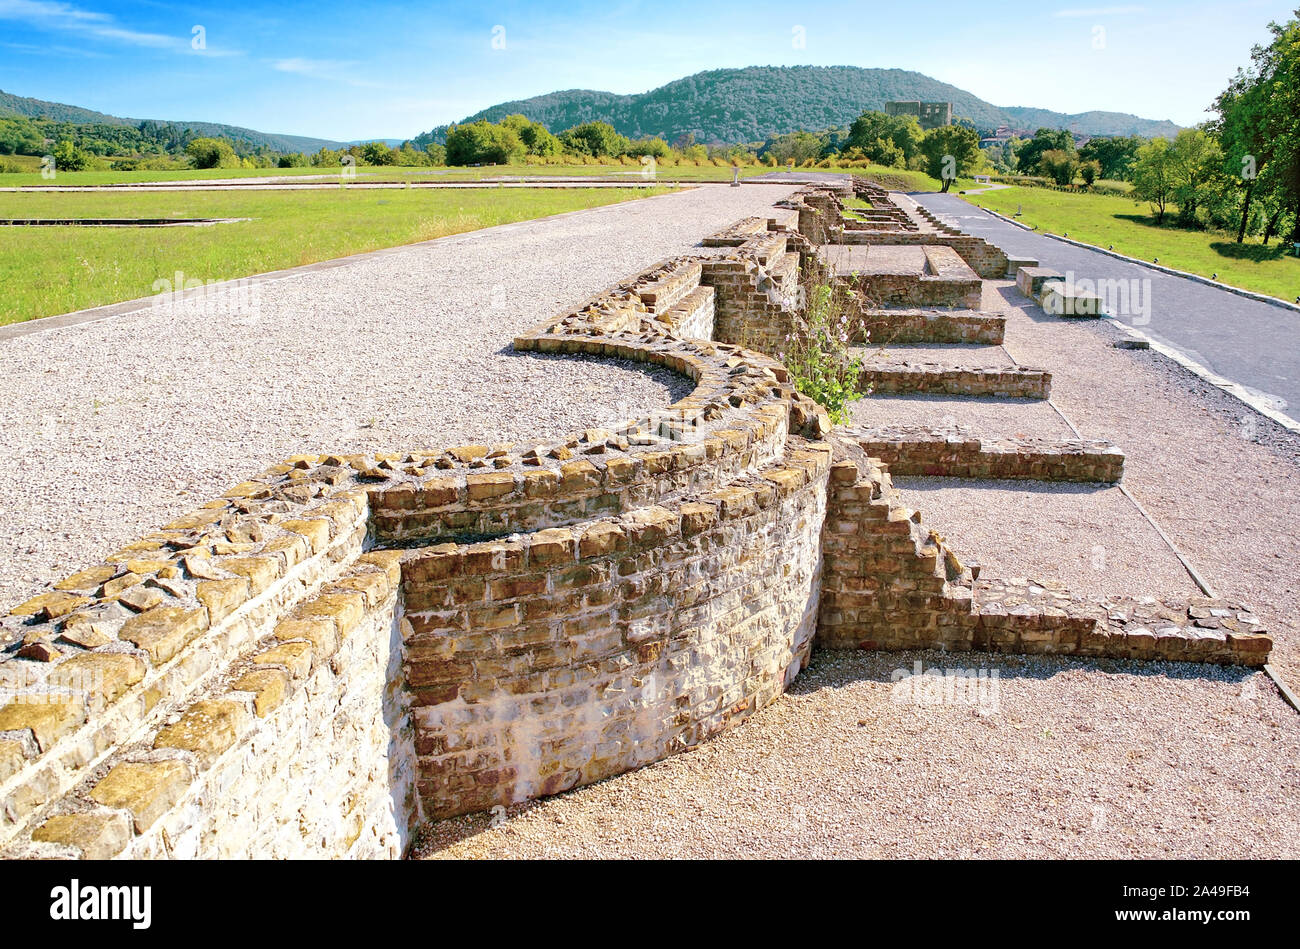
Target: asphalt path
1252,343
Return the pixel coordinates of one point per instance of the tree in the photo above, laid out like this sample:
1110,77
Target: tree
18,136
1259,126
212,153
1195,158
437,153
1045,139
1089,170
1059,165
799,147
68,156
887,140
482,143
1114,155
596,139
950,151
1153,176
377,153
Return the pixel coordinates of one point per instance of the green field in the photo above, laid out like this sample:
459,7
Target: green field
889,177
48,270
1107,220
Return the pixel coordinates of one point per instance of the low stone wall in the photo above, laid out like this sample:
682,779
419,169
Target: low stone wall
572,655
889,583
910,326
241,682
341,646
1014,383
958,453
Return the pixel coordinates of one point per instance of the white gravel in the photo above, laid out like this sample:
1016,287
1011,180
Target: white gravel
110,429
1051,759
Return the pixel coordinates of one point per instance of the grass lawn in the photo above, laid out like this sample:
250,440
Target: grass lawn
1105,220
888,177
49,270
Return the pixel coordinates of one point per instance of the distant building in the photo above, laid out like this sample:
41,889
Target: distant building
931,115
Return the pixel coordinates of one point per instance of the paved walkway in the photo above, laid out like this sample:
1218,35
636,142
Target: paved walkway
1252,343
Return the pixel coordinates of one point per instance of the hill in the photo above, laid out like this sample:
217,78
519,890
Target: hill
732,106
75,115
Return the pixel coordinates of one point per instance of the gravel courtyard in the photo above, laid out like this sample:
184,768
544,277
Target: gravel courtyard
110,429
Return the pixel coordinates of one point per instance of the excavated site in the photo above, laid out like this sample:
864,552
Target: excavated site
344,647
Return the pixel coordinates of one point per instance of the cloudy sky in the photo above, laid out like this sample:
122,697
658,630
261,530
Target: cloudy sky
343,70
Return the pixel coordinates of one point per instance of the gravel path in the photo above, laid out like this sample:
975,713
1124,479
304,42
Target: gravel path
1072,759
109,429
1051,759
1018,418
1089,537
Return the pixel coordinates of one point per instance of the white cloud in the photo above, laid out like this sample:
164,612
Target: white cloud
57,16
333,70
1100,11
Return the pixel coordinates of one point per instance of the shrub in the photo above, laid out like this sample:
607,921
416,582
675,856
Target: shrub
819,354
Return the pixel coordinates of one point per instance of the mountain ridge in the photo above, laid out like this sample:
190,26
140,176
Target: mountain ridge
31,108
735,106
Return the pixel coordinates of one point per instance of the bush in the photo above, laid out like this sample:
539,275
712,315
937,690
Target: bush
210,153
70,157
819,354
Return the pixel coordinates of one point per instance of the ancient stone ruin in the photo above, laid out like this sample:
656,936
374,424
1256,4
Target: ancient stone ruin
341,647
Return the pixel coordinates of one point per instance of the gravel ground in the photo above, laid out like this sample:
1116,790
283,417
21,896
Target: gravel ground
1220,480
109,429
1017,418
1074,759
940,354
1090,538
1051,759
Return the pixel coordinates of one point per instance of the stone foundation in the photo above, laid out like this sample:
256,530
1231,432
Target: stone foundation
342,646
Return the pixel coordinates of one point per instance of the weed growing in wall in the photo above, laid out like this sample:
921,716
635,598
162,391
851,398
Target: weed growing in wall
823,353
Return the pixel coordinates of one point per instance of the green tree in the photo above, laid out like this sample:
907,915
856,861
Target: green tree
950,151
799,147
1059,165
1153,176
68,156
18,136
884,139
1196,158
1259,127
1089,171
596,139
212,153
1114,155
437,153
377,153
481,143
1045,139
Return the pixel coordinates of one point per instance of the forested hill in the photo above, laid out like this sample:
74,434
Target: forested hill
58,112
731,106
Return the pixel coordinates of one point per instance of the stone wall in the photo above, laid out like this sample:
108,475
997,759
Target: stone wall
251,680
571,655
958,453
342,646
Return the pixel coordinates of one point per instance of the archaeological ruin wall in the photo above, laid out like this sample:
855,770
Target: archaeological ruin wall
344,646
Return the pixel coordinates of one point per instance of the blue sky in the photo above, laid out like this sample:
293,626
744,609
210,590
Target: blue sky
352,70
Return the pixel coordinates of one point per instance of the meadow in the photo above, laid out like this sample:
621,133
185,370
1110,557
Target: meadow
55,269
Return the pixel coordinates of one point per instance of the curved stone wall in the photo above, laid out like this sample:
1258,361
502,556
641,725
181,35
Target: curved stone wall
342,646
